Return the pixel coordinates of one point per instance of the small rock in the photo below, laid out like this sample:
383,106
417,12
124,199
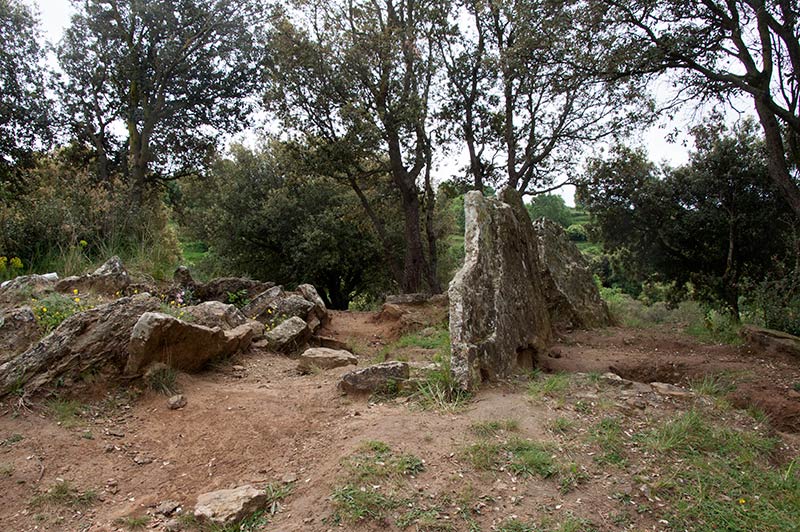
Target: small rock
670,389
173,525
289,478
167,508
141,459
176,401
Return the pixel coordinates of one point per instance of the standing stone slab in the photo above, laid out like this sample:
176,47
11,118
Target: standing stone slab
573,300
498,313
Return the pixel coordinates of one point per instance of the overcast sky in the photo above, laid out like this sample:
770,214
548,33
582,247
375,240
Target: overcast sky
55,16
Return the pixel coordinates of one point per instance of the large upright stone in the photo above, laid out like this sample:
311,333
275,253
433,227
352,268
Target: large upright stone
498,314
573,300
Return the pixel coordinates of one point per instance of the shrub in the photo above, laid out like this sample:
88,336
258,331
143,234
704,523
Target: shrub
577,233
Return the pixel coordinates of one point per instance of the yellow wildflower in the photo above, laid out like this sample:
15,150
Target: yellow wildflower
75,291
742,501
77,300
44,309
136,291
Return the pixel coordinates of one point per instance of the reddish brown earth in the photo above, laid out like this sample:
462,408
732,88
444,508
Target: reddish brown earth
263,422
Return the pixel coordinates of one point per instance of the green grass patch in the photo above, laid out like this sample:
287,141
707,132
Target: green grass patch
162,379
65,494
608,435
133,522
522,457
561,425
11,440
66,412
549,385
438,390
719,478
52,310
713,386
484,429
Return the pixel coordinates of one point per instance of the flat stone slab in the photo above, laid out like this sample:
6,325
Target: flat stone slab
374,378
228,507
325,358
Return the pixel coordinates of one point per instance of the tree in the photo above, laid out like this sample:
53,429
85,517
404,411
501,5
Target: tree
717,49
264,218
552,207
519,102
355,79
175,73
714,222
24,110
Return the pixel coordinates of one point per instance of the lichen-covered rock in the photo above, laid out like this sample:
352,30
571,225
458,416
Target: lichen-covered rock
498,314
374,378
216,314
261,307
158,337
109,278
22,287
18,330
220,288
289,336
573,300
274,306
91,340
310,294
771,339
324,358
227,507
407,299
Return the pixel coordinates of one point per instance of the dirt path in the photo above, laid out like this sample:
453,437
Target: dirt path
255,420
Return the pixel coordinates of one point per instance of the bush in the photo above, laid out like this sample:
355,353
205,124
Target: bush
577,233
775,301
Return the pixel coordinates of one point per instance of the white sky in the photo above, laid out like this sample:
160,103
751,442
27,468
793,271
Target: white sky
55,16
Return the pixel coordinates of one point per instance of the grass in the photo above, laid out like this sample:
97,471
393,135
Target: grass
521,457
561,425
11,440
51,310
133,523
607,433
720,478
438,390
163,380
484,429
64,494
371,487
6,470
66,412
713,386
549,386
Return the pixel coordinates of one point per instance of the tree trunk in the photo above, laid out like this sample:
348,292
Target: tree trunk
430,211
414,262
776,157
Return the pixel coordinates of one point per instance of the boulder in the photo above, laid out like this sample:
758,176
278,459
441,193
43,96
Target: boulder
216,314
18,330
92,340
407,299
374,378
218,289
499,322
158,337
289,336
310,294
771,339
23,287
327,341
324,358
108,279
228,507
183,278
261,307
573,300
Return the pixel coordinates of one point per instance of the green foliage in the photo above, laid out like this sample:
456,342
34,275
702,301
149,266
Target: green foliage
133,522
577,233
775,300
521,457
438,390
713,222
550,206
238,299
261,219
51,310
485,429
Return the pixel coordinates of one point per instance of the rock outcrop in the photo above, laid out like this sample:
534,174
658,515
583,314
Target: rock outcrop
110,278
18,330
158,337
216,314
275,305
22,287
85,342
498,314
324,358
289,336
573,300
771,339
218,289
227,507
375,378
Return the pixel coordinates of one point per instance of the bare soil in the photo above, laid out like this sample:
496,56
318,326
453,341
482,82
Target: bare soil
254,419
